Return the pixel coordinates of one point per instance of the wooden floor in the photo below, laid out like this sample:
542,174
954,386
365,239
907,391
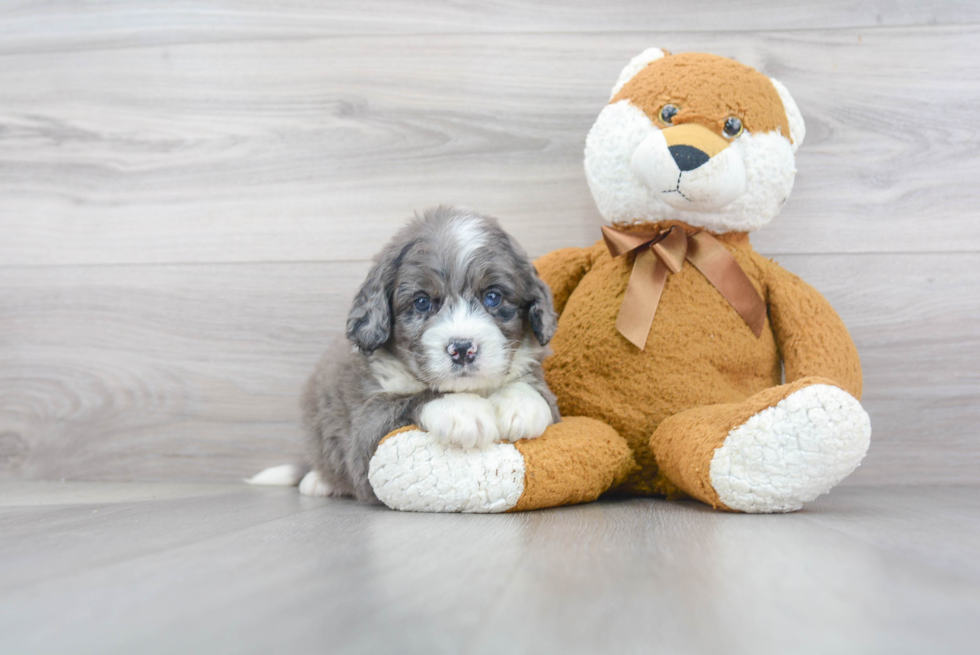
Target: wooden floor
171,568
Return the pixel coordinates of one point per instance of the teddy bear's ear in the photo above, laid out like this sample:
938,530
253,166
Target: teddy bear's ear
797,128
637,64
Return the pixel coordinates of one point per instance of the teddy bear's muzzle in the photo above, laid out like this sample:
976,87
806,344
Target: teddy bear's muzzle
690,167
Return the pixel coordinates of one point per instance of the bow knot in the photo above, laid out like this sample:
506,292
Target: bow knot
660,253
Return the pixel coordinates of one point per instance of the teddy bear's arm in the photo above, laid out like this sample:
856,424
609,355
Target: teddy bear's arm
812,338
562,270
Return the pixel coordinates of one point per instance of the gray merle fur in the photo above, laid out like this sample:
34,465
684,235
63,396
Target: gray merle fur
345,411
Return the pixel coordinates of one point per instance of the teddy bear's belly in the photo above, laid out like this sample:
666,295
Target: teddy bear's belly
699,352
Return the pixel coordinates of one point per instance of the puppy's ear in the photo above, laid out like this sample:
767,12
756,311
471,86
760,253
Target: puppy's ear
369,321
541,314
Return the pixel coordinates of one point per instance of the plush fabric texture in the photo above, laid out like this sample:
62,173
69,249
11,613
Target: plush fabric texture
788,454
685,443
629,171
637,63
707,89
797,128
622,155
699,352
572,462
413,472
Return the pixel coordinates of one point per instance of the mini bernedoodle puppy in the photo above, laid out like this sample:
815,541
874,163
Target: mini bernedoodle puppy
448,332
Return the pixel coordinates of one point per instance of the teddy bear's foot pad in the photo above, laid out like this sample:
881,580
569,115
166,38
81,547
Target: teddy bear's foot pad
412,471
789,454
574,461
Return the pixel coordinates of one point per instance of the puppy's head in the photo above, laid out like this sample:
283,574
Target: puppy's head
455,300
696,138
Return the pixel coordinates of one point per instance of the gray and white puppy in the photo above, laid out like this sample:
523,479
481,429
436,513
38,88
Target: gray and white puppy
448,332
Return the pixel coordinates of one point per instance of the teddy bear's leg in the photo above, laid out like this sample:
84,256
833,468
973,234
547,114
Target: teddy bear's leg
572,462
771,453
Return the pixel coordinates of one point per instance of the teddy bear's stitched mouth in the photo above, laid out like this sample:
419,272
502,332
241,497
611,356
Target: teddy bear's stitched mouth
677,188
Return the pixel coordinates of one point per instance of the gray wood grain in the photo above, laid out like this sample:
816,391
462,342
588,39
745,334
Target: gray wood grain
35,527
237,569
190,192
32,26
312,149
194,371
150,372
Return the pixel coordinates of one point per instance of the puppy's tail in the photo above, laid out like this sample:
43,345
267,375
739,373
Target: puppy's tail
284,475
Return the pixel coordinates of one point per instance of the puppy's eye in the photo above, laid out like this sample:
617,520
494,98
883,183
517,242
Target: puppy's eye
422,304
733,127
492,299
667,113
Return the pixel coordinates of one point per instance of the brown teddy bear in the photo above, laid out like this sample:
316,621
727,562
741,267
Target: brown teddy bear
674,335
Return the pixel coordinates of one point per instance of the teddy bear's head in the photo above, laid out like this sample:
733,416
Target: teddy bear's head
695,138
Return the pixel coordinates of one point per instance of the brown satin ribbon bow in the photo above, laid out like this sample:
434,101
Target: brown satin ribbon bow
660,253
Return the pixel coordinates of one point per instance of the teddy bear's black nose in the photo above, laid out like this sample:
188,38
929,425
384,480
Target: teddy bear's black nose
688,157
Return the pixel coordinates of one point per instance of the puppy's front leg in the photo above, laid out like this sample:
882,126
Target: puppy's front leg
464,419
522,412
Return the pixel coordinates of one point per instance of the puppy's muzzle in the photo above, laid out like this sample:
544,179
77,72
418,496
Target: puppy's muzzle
462,352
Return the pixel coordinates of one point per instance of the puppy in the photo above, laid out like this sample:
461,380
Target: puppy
448,333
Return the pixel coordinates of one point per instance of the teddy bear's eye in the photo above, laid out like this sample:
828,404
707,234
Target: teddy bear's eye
733,127
667,113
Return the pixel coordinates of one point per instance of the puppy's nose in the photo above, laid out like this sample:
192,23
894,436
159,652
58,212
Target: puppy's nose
688,157
462,352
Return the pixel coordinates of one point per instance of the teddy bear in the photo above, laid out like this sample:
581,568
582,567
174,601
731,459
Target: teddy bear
685,364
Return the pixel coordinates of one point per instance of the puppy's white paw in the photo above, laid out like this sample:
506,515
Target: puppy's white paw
313,485
463,419
521,412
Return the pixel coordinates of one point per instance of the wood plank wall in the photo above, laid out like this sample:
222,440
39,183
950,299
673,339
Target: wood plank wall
190,192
